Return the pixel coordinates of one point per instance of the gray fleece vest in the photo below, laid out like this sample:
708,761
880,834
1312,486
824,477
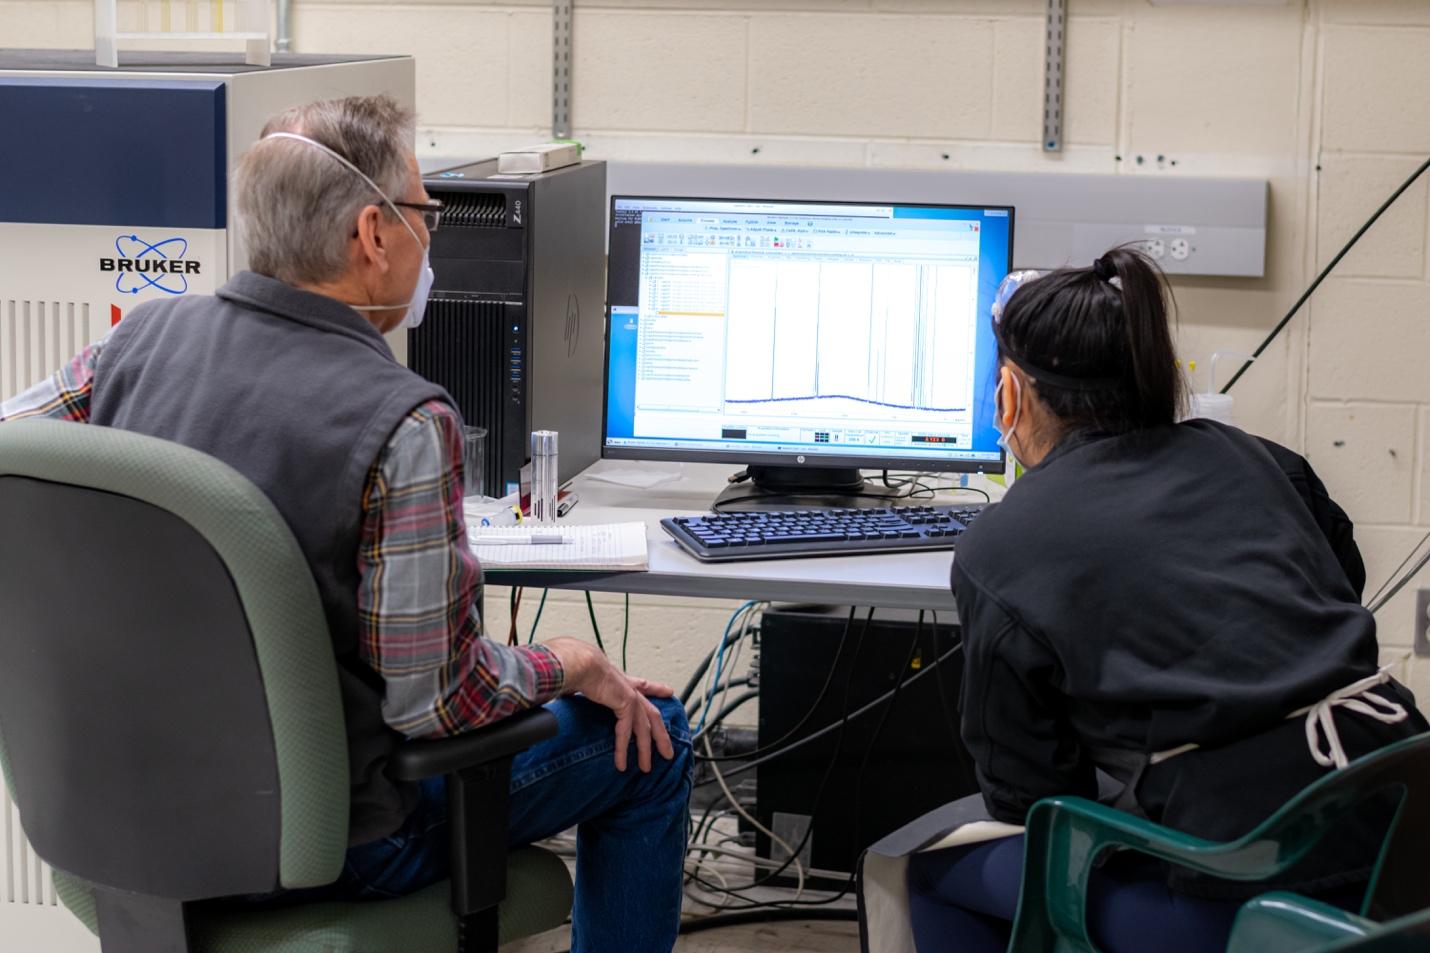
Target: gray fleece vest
300,394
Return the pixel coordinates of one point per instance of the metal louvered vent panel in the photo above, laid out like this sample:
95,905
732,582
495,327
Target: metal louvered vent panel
26,878
461,345
472,209
36,337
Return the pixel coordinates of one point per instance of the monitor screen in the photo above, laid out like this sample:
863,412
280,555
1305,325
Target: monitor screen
803,333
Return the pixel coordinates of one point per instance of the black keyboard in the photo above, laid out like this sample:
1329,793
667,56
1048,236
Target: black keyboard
761,534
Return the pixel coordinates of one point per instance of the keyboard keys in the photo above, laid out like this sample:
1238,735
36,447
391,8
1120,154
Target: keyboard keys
765,535
815,538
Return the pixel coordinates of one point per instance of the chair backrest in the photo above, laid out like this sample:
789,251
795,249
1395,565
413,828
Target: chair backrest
1286,921
170,722
1407,935
1065,835
1402,771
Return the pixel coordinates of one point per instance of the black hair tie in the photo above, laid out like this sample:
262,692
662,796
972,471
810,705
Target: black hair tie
1103,269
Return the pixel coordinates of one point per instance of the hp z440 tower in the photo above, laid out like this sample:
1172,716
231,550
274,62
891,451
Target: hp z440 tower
515,326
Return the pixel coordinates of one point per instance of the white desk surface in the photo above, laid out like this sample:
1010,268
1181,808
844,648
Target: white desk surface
896,581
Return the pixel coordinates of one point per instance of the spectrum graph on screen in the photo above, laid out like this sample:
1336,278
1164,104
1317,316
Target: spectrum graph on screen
816,327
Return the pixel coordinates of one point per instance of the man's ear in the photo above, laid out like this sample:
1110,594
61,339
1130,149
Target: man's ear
369,236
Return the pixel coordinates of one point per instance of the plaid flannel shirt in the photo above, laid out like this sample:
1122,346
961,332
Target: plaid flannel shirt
419,595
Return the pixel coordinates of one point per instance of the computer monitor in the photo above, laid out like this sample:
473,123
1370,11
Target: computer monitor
806,340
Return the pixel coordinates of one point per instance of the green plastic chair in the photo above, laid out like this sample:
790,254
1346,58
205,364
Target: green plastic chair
1288,923
171,727
1065,835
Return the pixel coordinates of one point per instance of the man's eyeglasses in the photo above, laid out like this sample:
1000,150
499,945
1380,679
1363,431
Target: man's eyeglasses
431,212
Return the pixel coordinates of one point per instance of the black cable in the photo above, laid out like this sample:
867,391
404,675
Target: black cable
625,631
733,683
828,771
1401,584
541,607
751,765
754,903
879,728
1326,271
828,680
706,824
700,670
766,497
950,711
868,751
794,905
725,711
701,830
591,610
720,921
1394,573
932,491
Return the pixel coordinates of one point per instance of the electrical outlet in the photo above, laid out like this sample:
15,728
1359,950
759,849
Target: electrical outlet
1422,622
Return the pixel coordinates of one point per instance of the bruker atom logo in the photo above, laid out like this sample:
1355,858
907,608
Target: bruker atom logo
158,265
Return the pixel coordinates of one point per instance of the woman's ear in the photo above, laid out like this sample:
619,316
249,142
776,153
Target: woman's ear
1008,409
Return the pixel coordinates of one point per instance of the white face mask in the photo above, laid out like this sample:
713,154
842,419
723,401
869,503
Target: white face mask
417,306
1017,413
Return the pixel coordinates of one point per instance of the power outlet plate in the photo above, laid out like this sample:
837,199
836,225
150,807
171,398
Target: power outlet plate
1422,622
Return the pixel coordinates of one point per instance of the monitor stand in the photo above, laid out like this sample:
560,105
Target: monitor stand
797,488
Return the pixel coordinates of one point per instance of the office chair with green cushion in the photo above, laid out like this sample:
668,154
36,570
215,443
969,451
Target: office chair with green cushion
170,723
1065,835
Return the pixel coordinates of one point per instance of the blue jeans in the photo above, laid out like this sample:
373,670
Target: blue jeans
964,899
630,838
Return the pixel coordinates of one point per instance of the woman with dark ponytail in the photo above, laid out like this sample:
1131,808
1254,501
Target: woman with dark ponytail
1147,615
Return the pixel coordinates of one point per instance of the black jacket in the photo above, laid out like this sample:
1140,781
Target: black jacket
1135,593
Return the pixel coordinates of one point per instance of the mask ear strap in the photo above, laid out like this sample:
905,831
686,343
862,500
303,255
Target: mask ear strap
358,172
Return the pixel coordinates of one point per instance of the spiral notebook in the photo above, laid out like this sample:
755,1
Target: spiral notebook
610,547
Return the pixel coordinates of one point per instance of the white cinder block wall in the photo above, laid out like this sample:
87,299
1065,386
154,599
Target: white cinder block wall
1325,98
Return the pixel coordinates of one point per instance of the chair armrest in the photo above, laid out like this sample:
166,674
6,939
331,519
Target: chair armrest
1287,923
476,766
1066,834
1056,824
417,760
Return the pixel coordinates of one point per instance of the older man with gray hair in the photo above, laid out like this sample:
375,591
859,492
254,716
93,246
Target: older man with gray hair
284,375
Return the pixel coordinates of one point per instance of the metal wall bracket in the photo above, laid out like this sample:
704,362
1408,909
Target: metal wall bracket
1054,51
561,48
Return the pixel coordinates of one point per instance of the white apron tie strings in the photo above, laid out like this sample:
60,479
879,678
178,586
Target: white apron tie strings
1320,721
1356,697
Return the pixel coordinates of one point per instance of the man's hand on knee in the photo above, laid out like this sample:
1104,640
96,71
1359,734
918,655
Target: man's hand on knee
589,672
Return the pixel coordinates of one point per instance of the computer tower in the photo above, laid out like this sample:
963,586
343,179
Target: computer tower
515,326
918,760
